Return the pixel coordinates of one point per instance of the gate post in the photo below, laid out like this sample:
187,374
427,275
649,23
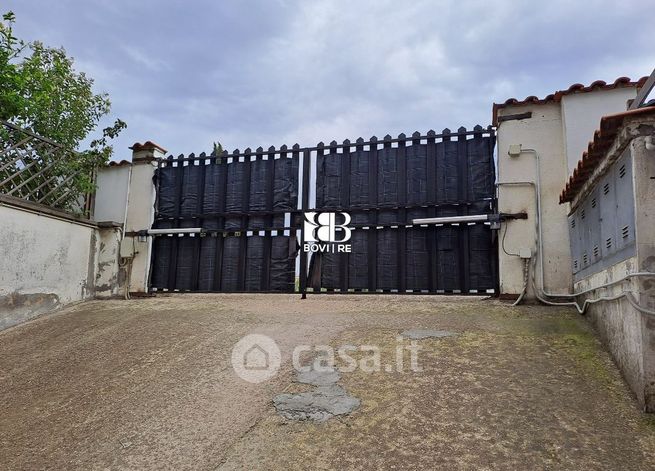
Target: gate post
140,213
304,203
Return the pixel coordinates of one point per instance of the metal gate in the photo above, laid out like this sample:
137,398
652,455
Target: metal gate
246,204
248,207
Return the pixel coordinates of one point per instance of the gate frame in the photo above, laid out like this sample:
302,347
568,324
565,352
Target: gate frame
295,224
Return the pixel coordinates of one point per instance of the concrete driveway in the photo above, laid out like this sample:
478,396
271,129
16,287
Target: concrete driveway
149,384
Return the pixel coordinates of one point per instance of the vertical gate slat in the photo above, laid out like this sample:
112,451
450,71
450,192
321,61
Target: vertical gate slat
220,237
175,242
402,213
443,196
304,207
463,173
195,271
268,237
243,233
431,233
344,203
373,214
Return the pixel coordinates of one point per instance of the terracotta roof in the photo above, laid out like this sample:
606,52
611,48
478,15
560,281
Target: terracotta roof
620,82
148,145
603,140
122,163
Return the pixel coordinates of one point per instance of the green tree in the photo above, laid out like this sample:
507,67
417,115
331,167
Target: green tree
40,90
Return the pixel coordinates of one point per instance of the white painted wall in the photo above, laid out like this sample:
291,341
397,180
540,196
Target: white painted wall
559,132
140,215
581,115
111,194
45,263
543,133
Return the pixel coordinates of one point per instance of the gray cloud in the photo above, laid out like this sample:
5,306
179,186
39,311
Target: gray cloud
262,72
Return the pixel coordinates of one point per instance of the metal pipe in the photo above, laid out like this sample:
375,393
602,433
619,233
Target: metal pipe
542,289
452,219
624,294
186,230
540,238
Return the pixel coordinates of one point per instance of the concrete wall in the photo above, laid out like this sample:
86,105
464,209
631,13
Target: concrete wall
644,183
617,323
581,114
50,258
628,332
110,276
542,132
46,262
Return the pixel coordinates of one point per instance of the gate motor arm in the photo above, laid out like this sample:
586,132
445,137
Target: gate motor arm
494,219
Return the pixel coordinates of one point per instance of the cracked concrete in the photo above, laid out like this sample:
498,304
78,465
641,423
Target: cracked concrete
319,405
326,401
318,378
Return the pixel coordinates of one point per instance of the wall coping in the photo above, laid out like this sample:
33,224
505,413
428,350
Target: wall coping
43,210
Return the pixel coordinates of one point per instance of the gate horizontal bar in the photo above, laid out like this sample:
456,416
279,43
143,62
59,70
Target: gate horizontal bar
452,219
493,218
186,230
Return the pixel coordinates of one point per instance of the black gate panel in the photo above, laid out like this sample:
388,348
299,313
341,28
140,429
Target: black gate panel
247,207
386,184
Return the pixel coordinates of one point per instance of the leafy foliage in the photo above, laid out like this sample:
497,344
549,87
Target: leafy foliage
41,91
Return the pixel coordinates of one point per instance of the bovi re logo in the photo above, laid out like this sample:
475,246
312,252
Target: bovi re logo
321,233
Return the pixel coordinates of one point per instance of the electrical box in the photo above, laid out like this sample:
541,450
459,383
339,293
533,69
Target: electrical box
127,248
525,253
514,150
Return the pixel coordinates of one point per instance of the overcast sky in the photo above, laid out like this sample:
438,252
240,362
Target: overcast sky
270,72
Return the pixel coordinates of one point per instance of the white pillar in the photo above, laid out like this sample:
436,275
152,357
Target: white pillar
141,210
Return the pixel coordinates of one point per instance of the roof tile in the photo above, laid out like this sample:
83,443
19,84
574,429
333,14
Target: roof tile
575,88
596,150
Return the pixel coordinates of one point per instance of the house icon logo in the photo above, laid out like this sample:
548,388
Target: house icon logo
256,358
